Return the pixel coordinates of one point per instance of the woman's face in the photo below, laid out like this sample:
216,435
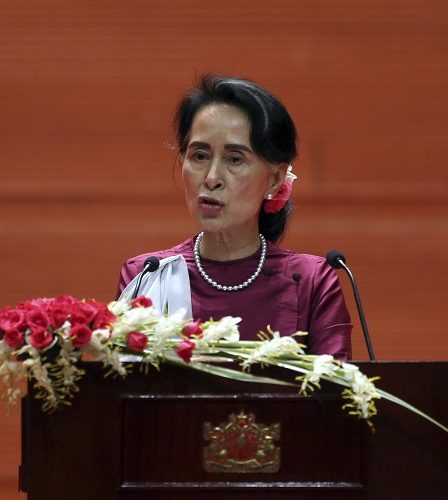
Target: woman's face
225,181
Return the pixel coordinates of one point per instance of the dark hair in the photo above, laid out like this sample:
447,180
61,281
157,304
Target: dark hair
272,132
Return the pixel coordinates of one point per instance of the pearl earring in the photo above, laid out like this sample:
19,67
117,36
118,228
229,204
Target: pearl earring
269,196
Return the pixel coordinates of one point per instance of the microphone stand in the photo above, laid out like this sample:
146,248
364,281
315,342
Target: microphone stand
360,310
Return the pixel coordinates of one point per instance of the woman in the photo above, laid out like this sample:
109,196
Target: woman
236,143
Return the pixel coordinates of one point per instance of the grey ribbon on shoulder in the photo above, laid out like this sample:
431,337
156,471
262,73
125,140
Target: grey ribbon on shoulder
168,287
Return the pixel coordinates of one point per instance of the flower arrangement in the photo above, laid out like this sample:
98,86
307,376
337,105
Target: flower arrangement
44,340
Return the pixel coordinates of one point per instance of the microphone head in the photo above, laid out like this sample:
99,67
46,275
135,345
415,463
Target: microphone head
151,264
334,259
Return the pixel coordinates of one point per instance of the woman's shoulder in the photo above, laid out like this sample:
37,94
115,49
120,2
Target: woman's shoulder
298,262
185,248
132,266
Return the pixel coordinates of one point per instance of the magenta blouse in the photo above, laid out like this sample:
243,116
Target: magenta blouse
294,292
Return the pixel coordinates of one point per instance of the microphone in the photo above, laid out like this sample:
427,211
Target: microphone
337,261
151,264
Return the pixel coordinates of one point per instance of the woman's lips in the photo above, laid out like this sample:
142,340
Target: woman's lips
210,205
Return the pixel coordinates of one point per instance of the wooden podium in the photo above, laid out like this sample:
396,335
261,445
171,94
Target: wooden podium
179,434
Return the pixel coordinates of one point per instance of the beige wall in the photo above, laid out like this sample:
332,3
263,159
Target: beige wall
87,91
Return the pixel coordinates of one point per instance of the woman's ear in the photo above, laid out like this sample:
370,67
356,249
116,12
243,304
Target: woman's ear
278,177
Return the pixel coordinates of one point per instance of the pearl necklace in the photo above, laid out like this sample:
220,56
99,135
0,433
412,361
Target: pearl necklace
229,288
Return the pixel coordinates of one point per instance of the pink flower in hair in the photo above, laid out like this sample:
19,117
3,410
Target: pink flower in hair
283,194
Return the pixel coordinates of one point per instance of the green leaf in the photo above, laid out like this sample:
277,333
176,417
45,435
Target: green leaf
390,397
226,372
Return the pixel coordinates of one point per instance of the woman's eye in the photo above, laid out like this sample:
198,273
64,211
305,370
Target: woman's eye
235,159
199,156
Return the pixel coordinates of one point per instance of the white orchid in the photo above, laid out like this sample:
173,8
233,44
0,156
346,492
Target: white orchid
99,340
10,373
323,365
362,393
134,319
118,307
214,331
67,362
5,350
42,379
113,360
168,326
273,347
165,330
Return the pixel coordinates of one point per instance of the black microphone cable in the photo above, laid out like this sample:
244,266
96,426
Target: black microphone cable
151,264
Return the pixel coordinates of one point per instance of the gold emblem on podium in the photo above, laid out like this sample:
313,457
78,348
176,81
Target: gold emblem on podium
241,445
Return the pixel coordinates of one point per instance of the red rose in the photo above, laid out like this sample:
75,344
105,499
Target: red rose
141,302
58,317
279,200
12,319
103,318
192,328
137,341
84,312
92,305
41,304
65,301
60,309
80,334
37,318
40,338
185,350
14,338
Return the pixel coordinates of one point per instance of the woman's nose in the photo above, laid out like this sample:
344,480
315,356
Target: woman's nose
213,179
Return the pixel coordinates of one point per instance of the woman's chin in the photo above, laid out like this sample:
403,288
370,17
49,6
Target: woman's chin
211,227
